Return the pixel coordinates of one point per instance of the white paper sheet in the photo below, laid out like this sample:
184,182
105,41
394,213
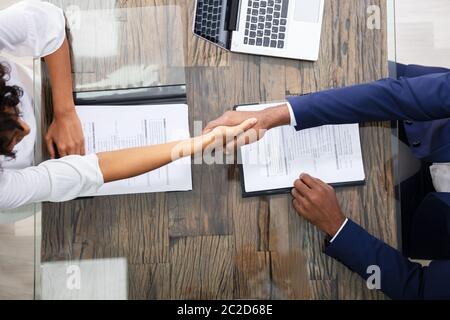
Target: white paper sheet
330,153
108,128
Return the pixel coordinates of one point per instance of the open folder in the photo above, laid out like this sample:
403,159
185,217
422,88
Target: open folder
271,165
108,128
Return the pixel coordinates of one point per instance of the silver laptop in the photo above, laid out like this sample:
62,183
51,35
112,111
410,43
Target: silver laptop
279,28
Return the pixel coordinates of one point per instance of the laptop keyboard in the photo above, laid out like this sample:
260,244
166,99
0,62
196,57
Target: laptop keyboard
266,23
207,20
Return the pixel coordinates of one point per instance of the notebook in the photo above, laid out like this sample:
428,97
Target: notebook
270,166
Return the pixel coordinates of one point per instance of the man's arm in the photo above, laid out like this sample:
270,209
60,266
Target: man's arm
421,99
79,176
414,70
400,278
421,94
358,250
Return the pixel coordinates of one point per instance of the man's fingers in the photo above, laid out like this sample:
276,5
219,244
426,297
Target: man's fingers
51,148
309,181
301,188
298,206
296,194
323,184
319,183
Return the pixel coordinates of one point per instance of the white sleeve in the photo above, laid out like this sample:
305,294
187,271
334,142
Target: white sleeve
54,180
32,28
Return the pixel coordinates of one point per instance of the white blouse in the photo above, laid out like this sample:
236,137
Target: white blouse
36,29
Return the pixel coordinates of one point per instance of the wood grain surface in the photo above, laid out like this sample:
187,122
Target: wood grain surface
211,243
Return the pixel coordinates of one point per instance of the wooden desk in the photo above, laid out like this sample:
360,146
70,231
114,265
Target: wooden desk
210,243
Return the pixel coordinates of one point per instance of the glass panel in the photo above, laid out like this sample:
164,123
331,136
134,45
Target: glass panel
397,145
17,253
211,243
125,45
85,280
18,227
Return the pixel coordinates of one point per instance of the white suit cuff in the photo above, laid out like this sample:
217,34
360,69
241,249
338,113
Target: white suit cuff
340,229
291,113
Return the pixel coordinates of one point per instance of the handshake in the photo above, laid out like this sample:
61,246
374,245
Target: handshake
238,128
313,199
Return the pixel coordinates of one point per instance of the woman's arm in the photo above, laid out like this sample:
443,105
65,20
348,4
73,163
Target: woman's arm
65,130
31,29
37,29
81,176
122,164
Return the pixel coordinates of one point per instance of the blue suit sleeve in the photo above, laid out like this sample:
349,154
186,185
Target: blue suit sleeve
414,70
400,278
422,98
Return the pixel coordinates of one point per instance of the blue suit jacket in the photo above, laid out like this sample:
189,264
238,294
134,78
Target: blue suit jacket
422,99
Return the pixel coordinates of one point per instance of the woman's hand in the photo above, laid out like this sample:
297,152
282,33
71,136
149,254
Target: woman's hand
221,136
66,134
214,140
65,131
127,163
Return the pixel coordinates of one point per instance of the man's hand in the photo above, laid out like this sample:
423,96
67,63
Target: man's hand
316,201
65,132
266,120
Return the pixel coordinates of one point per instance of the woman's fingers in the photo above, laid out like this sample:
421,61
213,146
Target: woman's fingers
246,125
227,136
249,136
240,134
50,148
210,127
82,149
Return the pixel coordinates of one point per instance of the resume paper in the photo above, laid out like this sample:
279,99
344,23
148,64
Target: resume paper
109,128
330,153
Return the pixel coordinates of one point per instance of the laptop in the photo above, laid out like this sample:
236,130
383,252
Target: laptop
278,28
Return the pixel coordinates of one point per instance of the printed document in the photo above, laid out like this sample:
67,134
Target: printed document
330,153
108,128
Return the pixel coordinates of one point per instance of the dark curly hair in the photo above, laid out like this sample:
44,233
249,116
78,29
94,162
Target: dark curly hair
9,99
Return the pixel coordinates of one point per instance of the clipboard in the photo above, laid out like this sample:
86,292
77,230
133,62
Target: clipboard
158,95
278,191
172,94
